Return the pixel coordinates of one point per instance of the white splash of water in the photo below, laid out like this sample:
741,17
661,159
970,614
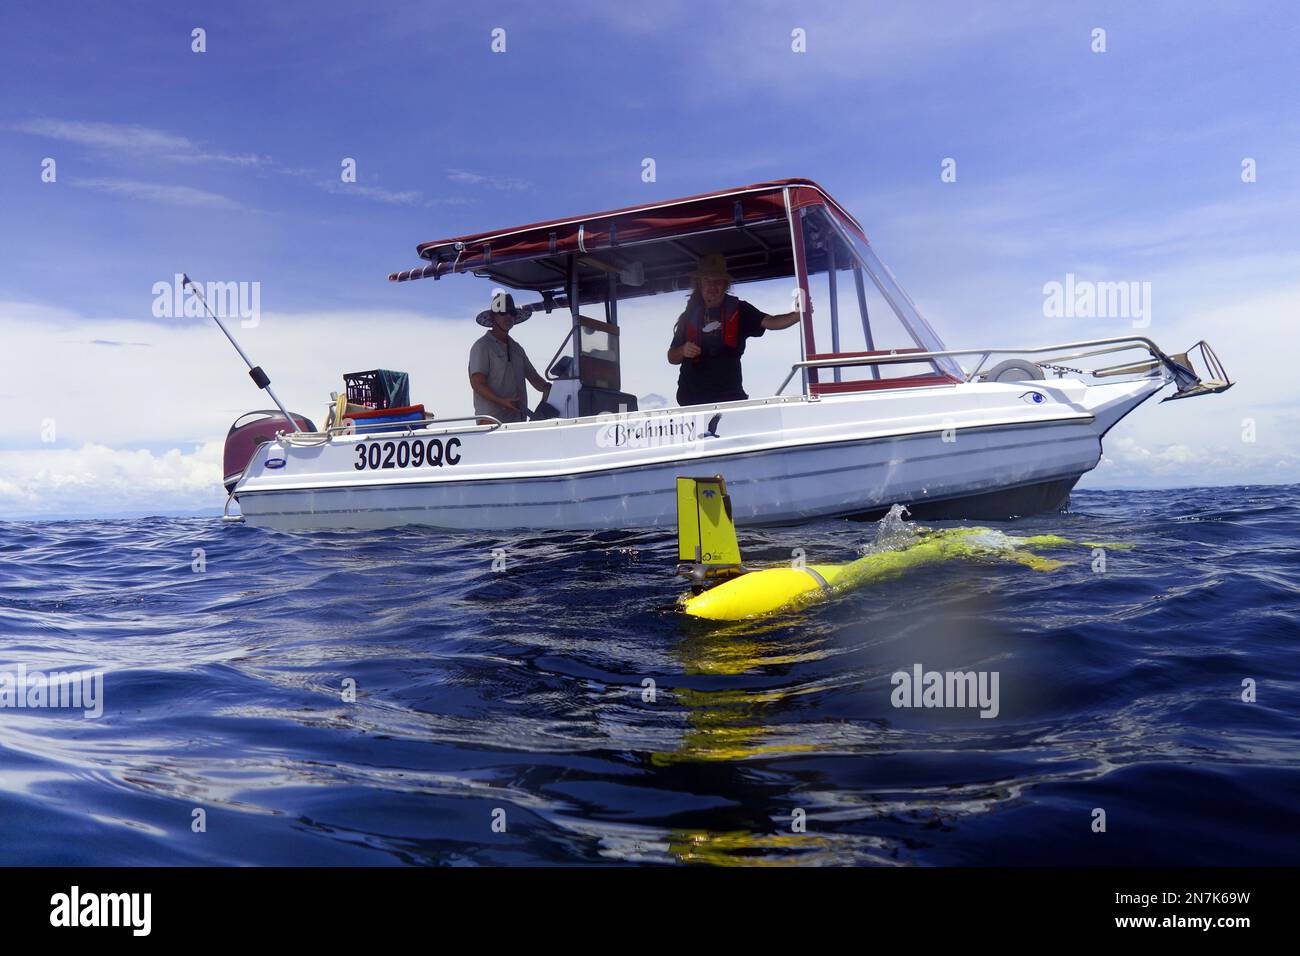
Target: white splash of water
892,533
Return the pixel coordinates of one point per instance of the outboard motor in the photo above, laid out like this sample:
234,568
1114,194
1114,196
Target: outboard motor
248,432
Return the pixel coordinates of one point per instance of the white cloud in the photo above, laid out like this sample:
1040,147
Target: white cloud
188,384
178,395
1128,463
1164,460
505,183
244,159
131,139
138,142
168,193
96,479
111,136
407,197
377,193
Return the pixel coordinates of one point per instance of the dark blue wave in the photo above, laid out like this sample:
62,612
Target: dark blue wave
523,691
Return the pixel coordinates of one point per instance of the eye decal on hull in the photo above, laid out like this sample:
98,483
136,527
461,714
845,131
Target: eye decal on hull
1033,398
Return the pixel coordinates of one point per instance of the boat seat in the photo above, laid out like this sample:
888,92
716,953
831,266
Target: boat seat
596,401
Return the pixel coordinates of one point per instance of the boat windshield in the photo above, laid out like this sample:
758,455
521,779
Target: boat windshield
860,309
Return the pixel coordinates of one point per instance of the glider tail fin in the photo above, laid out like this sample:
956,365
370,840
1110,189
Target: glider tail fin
706,531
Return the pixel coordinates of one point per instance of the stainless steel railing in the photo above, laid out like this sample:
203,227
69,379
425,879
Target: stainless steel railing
1091,348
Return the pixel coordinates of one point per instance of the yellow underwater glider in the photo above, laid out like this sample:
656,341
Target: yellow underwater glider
725,590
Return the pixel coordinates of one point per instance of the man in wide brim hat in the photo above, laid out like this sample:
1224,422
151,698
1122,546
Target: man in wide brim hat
503,304
710,335
499,369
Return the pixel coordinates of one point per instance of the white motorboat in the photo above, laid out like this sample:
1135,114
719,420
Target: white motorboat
981,432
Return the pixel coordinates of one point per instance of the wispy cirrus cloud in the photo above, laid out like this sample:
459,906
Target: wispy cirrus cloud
114,136
133,140
377,193
244,159
409,197
465,177
168,193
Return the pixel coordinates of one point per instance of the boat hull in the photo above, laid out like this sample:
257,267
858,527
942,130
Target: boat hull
768,488
975,450
1004,504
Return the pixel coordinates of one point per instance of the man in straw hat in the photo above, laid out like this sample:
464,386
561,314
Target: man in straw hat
498,365
709,338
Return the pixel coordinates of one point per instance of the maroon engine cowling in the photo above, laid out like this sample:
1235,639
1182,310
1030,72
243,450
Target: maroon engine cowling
250,430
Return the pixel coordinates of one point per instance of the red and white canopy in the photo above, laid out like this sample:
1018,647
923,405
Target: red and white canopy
747,224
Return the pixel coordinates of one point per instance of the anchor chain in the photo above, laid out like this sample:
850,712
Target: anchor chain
1061,370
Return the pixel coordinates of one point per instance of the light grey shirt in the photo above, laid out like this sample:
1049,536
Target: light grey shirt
506,367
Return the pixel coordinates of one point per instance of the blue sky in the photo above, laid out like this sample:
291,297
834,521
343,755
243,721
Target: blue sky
1123,165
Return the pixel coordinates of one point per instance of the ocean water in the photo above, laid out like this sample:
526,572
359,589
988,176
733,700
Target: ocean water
562,710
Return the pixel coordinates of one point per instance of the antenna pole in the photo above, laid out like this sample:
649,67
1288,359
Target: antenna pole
255,372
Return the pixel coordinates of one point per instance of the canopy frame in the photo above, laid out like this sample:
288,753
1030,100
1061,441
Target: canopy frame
759,229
